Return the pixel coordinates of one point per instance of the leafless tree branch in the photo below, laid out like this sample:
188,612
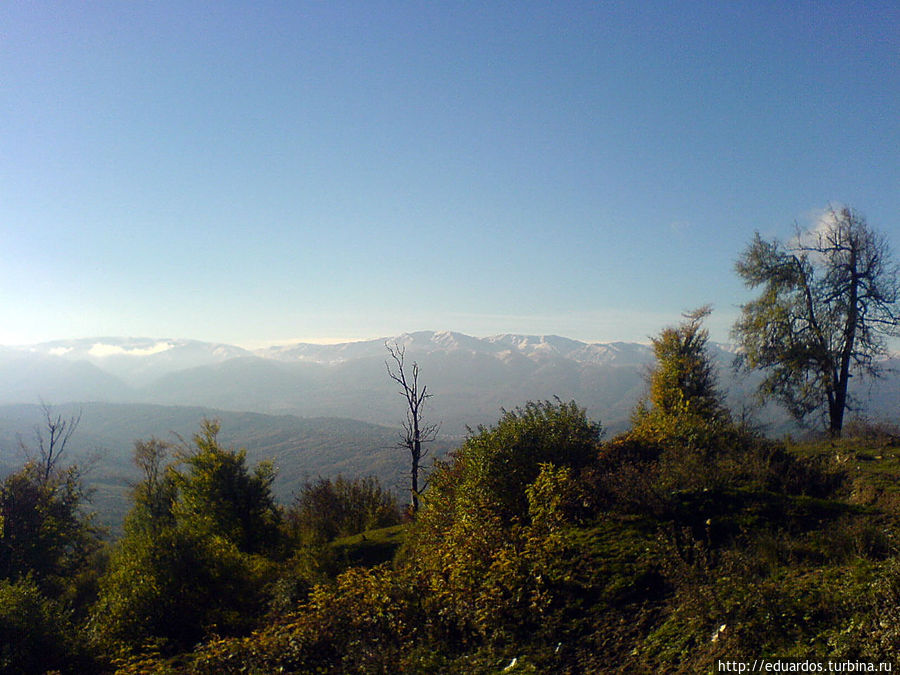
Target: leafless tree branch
416,433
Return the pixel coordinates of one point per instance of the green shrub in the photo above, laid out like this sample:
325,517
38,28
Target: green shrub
495,465
177,586
328,509
361,624
36,634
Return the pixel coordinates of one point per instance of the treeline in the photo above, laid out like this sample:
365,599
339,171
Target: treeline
538,547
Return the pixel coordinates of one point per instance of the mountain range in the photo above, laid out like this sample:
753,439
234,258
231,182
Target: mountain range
471,378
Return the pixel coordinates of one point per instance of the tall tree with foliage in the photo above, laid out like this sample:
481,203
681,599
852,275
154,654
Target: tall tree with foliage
45,532
154,497
48,543
217,492
829,302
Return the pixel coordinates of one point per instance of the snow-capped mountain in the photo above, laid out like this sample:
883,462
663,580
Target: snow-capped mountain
535,347
471,377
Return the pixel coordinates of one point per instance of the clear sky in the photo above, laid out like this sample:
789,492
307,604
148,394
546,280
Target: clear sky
254,172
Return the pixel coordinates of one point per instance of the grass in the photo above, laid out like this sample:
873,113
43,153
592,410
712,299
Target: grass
371,547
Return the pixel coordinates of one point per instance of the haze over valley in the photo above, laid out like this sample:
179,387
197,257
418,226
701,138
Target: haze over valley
315,409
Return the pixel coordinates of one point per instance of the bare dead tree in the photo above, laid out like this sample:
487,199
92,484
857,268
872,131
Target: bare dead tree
416,432
52,439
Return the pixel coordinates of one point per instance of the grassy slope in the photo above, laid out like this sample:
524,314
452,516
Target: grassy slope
369,548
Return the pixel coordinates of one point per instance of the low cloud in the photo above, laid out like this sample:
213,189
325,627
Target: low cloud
101,350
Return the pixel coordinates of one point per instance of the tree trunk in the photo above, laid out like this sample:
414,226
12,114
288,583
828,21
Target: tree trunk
836,416
836,412
414,475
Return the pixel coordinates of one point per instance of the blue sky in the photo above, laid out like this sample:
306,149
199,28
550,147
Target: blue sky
264,172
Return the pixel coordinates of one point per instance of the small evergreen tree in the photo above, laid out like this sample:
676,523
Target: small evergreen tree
684,403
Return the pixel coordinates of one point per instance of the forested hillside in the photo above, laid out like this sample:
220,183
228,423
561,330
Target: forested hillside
301,449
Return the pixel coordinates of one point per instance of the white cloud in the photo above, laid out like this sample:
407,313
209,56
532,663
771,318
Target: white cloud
60,351
820,222
101,350
327,340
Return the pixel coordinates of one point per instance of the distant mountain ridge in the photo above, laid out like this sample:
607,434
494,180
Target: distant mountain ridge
138,360
471,377
531,346
128,358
